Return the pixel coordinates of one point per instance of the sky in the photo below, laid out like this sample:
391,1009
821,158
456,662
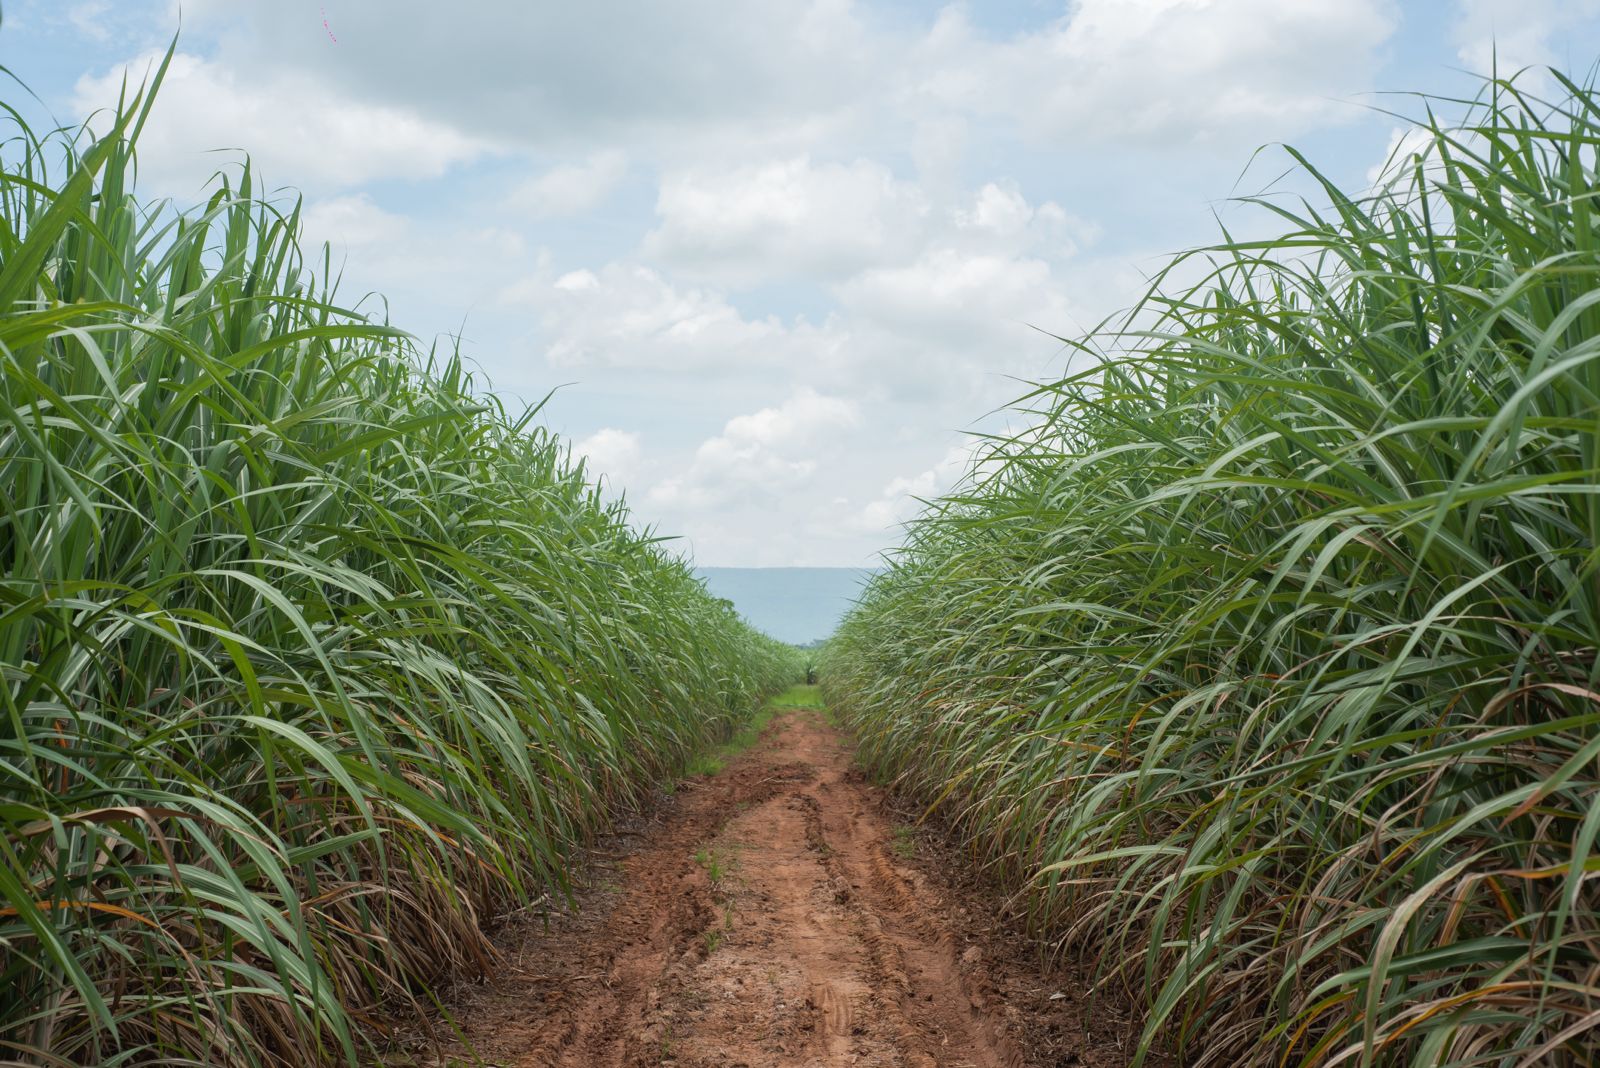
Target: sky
779,261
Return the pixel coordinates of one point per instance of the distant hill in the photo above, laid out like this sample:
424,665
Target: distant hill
793,604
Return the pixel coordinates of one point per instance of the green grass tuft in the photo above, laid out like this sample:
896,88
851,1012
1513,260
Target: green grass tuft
799,696
750,731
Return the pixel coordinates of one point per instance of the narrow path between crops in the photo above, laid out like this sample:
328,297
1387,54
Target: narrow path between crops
775,914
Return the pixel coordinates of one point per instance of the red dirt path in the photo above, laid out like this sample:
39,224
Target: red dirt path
772,917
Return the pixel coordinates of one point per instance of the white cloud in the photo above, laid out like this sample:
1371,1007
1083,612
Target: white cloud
792,217
902,499
758,457
950,324
938,146
999,219
629,315
613,454
702,80
89,19
543,74
296,130
1160,72
571,189
1001,211
1407,145
941,307
1510,35
349,222
961,300
830,222
797,420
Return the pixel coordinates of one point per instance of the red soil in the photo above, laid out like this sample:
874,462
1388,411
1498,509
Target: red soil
772,917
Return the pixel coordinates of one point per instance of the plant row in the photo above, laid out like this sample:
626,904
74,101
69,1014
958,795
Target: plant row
1265,661
315,658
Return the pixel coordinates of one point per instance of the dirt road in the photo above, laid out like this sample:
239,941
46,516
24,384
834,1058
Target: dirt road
775,914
